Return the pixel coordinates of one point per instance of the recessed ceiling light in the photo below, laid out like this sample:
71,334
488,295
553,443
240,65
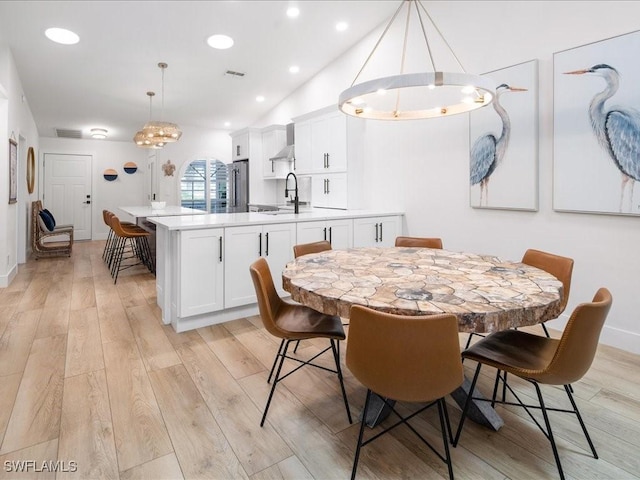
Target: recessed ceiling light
99,133
227,124
294,69
342,26
259,98
62,35
221,42
293,12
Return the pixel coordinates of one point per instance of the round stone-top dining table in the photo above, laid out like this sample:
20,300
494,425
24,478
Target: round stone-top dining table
486,293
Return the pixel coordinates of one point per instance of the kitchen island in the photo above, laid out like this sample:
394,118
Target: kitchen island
202,268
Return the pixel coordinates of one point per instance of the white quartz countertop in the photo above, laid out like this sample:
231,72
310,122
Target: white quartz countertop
169,210
216,220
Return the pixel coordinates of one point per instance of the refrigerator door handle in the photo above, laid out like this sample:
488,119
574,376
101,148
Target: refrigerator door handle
235,187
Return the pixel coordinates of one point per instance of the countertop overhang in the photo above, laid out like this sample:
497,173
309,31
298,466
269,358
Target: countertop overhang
219,220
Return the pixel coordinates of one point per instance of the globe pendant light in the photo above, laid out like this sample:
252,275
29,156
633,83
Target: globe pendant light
160,131
141,138
409,96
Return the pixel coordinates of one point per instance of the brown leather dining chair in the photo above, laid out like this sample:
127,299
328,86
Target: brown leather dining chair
292,322
543,361
407,359
307,248
422,242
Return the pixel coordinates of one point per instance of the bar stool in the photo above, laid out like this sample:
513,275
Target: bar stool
130,242
107,253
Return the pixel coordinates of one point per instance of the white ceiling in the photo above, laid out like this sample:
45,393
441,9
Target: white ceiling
102,81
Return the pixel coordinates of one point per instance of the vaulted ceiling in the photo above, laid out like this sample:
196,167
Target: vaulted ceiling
102,80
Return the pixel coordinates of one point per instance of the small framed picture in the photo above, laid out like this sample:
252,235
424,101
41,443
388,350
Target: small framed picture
13,171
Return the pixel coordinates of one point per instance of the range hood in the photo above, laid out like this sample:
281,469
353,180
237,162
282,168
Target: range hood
287,154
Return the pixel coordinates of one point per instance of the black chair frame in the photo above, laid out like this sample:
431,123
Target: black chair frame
445,427
282,355
546,430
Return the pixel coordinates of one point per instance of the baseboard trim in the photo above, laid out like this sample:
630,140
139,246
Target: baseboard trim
5,280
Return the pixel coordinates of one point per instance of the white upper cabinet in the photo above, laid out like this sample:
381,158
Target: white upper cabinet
240,142
329,147
321,143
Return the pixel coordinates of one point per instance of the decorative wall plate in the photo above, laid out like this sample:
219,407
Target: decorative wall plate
130,167
110,174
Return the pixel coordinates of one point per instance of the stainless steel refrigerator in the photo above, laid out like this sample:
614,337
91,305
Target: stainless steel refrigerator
238,186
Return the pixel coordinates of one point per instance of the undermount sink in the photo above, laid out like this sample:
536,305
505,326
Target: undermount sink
281,212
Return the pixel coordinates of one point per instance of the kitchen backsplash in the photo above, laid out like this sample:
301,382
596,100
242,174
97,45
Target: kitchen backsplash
304,190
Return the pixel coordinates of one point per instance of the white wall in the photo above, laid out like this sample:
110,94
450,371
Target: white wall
195,144
126,190
430,157
16,121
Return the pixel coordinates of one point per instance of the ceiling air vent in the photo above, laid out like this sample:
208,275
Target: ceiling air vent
234,74
65,133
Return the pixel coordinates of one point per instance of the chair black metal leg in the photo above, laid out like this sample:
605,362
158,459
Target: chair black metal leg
467,404
504,387
275,382
549,432
584,427
362,424
275,361
468,341
546,332
495,390
295,349
445,440
446,417
336,356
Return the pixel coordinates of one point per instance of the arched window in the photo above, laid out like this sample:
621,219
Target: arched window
204,186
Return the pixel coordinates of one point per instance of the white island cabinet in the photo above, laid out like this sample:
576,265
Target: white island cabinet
200,282
339,233
244,245
376,231
202,269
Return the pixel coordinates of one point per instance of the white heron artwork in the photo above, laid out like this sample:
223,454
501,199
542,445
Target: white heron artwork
503,142
617,129
596,127
489,150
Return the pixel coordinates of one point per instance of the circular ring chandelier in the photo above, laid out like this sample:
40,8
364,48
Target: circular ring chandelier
412,96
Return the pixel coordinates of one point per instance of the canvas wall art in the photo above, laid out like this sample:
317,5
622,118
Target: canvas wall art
503,142
596,108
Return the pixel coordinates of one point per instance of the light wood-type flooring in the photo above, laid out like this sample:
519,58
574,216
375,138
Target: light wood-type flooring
92,380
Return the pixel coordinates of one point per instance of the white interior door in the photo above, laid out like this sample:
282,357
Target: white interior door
67,191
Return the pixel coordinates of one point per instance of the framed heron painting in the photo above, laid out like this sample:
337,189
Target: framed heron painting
596,123
503,142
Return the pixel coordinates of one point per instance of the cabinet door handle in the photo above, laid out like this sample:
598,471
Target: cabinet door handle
220,247
330,234
272,166
260,244
325,233
327,160
328,180
266,248
325,186
237,150
380,231
376,233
